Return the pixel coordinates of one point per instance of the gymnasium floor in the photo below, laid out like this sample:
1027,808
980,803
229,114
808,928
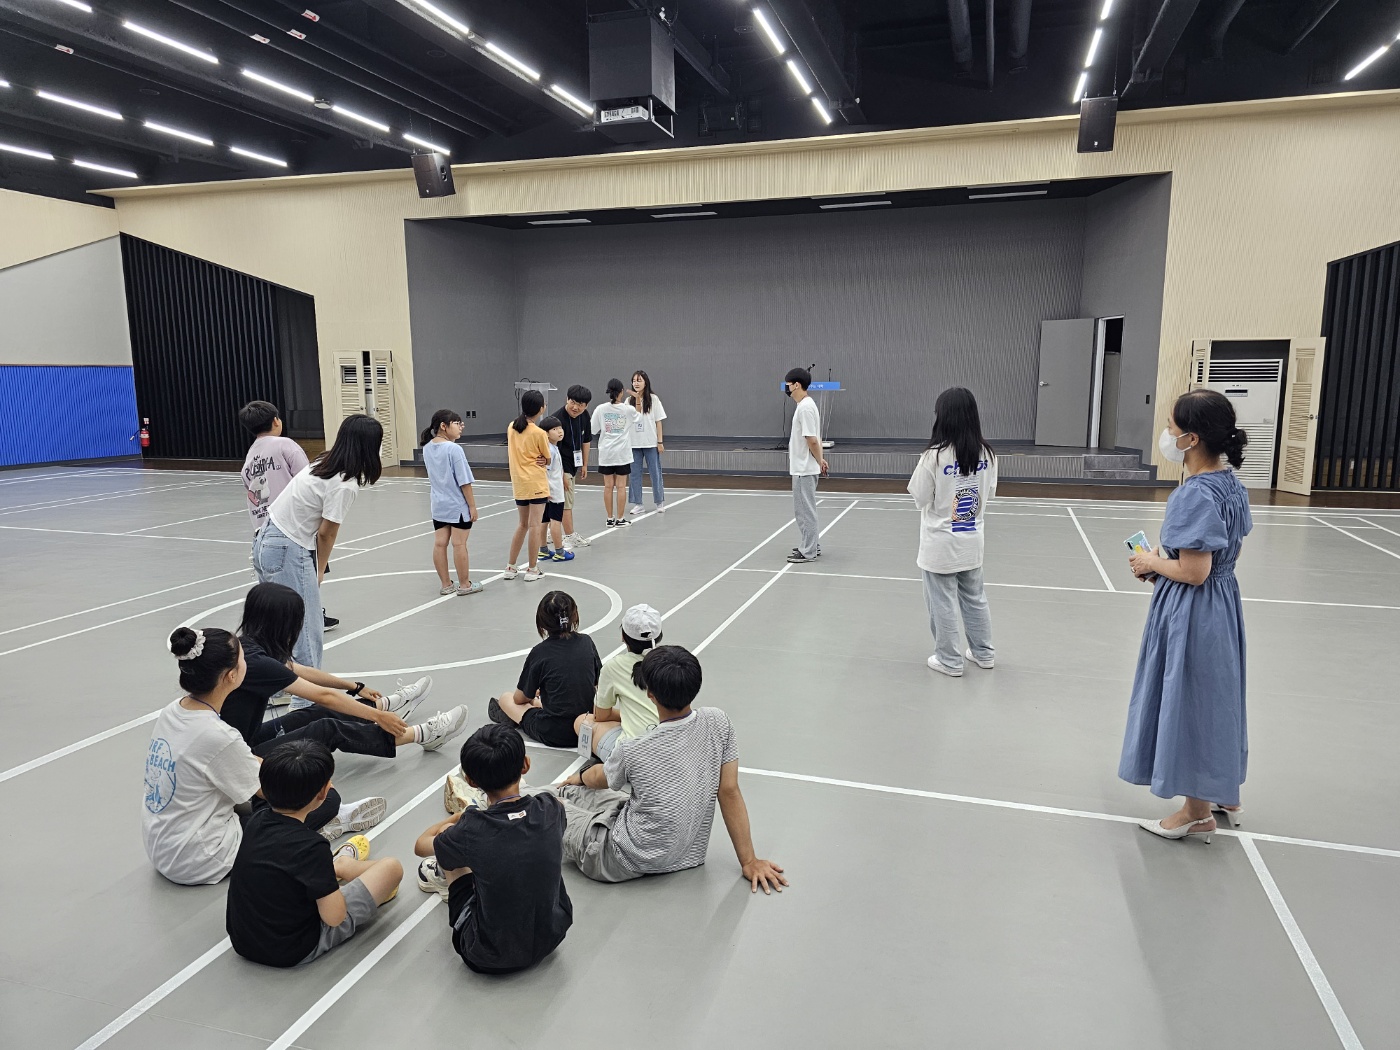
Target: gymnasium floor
963,870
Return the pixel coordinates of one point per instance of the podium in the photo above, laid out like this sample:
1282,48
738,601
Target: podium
545,390
824,394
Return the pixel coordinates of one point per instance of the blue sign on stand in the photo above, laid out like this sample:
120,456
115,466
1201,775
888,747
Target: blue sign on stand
814,386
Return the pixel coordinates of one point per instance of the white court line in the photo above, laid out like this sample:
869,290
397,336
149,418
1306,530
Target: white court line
1358,539
1090,548
56,474
186,521
1340,1023
43,760
74,501
1375,526
155,996
122,535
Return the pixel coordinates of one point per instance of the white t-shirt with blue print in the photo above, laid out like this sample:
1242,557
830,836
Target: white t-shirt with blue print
951,508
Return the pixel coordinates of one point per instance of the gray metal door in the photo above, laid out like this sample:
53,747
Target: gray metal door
1066,382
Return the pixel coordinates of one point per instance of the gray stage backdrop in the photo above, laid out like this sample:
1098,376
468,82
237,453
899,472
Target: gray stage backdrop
898,305
66,309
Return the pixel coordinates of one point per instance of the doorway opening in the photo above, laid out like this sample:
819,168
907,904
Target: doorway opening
1103,402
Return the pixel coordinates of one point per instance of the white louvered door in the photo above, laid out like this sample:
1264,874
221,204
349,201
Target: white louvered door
1300,404
349,384
381,406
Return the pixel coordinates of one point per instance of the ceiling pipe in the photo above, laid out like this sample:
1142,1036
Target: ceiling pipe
1320,10
1168,25
1020,20
991,44
1220,25
960,30
816,50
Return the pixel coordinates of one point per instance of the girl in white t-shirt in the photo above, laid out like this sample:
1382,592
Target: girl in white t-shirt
648,442
613,425
304,521
955,477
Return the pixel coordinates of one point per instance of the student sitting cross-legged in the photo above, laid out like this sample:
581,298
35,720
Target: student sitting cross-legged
557,683
499,867
285,902
675,772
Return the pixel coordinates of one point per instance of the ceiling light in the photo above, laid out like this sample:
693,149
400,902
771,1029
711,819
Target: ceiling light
797,76
1079,87
103,167
821,108
507,59
442,16
1107,10
1008,193
257,156
1093,47
559,222
164,130
571,100
1377,53
682,214
853,204
426,144
80,6
294,92
168,42
110,114
4,83
360,117
36,154
773,38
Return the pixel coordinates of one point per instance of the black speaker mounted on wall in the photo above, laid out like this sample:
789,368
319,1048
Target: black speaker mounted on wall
433,173
1097,117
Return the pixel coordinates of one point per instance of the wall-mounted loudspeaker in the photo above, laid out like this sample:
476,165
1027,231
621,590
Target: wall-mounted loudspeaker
1097,117
433,174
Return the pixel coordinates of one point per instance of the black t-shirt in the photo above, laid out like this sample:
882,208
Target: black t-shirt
565,673
246,706
577,433
282,869
520,910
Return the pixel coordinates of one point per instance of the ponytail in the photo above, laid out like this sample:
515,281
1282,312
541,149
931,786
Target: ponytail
1233,447
442,417
531,404
1210,415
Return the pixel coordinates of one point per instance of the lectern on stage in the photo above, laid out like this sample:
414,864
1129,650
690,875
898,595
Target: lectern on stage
545,390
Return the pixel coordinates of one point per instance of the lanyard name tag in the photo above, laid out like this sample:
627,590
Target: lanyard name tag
578,458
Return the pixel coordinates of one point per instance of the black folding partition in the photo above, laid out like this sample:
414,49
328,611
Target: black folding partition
205,340
1358,440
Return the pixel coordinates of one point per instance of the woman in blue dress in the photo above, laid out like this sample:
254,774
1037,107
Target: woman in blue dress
1186,720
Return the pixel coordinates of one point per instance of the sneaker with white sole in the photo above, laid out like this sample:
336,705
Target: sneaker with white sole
531,575
986,665
580,540
430,877
661,508
405,698
443,726
635,509
568,542
355,816
621,523
281,698
511,573
934,665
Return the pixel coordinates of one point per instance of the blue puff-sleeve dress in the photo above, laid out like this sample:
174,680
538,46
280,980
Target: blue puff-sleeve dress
1186,720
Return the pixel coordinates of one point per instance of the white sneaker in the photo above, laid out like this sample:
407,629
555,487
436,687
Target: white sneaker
985,664
281,698
569,542
634,511
443,726
531,575
355,816
661,508
430,879
404,699
511,573
936,666
582,541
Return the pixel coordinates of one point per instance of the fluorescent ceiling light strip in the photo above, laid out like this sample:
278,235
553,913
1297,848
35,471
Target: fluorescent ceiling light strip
853,204
169,42
80,6
510,61
110,114
797,76
360,117
1107,10
4,83
773,38
1011,193
1093,47
35,153
164,130
103,167
559,222
682,214
279,86
1079,87
570,99
1373,56
427,145
257,156
442,16
822,110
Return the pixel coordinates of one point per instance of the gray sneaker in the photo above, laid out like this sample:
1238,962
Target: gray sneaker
407,697
355,816
443,726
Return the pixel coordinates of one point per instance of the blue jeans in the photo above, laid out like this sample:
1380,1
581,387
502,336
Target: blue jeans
278,559
651,459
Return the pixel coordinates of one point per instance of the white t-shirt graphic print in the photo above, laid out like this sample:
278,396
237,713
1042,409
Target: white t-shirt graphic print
270,465
951,509
644,430
612,429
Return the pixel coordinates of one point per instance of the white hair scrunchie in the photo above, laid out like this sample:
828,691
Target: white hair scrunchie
195,650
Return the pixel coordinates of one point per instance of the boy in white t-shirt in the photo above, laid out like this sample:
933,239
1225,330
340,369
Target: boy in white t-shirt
554,505
805,463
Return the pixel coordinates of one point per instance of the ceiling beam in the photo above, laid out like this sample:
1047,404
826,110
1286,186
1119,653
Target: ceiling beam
820,52
1170,22
1220,26
690,48
1309,17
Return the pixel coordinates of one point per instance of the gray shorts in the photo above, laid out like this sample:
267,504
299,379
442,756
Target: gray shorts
591,813
360,911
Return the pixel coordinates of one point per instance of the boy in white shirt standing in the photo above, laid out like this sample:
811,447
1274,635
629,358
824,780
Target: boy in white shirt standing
805,464
554,505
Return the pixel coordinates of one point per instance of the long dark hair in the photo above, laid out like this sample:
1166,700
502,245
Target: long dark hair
355,453
645,405
1211,417
531,404
957,423
272,617
441,418
199,675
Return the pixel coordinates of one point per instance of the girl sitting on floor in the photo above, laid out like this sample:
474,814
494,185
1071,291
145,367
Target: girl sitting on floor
558,680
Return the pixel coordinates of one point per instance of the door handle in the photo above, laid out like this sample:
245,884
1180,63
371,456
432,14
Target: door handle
1044,383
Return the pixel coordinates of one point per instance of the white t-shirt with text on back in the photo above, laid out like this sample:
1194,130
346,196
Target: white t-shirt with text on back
644,430
198,768
951,509
308,499
806,422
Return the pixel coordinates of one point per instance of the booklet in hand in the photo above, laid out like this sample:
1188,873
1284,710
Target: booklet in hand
1138,543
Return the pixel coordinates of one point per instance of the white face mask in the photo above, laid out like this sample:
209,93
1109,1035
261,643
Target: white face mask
1166,444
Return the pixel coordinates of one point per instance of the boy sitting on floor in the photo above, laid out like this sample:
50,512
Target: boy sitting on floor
620,707
499,867
285,905
675,772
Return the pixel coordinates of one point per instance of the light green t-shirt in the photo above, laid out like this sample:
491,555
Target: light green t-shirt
615,689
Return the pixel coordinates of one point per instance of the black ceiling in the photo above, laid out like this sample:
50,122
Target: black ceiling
880,63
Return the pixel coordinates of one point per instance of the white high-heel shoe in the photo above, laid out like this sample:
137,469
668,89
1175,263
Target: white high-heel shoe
1234,816
1189,829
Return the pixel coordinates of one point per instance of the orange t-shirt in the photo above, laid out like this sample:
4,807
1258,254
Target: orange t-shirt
527,477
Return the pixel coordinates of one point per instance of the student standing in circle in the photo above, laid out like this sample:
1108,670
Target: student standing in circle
1186,730
304,521
805,464
954,478
574,449
648,442
528,457
452,505
612,426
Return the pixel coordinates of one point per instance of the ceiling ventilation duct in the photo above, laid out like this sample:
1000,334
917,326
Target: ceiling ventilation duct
632,77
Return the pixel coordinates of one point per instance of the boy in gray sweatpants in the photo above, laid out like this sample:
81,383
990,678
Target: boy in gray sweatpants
805,464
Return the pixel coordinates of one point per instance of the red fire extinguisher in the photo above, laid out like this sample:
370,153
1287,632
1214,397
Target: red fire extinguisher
145,433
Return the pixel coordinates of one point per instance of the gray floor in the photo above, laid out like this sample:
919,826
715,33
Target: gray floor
962,872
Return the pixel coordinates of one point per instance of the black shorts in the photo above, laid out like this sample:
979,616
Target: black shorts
531,502
450,524
622,471
554,512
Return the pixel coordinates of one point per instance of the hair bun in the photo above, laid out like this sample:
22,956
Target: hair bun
185,643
